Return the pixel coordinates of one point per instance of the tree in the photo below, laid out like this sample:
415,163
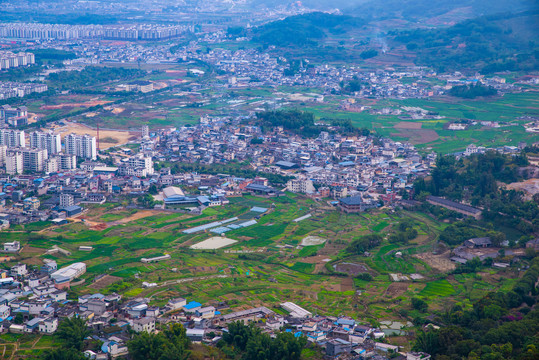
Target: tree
420,304
18,319
171,344
72,332
62,354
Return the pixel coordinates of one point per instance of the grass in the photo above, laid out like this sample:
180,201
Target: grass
438,288
303,267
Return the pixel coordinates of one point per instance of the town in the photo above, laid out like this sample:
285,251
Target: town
237,179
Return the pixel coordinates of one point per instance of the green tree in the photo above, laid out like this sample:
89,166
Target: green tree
72,332
62,354
420,304
171,344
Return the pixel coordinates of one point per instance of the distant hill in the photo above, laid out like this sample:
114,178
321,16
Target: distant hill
416,10
304,30
488,43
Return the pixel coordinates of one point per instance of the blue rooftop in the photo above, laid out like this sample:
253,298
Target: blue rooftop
192,305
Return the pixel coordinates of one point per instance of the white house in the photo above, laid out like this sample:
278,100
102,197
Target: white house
145,324
48,326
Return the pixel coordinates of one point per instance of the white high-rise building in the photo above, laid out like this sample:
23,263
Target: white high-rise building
46,140
3,154
12,138
34,160
14,163
67,162
52,165
66,200
81,145
145,131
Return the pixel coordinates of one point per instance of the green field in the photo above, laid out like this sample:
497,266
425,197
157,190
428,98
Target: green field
264,267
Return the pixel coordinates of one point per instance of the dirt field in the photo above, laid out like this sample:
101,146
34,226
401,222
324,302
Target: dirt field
418,136
118,110
138,215
437,262
121,137
73,105
351,268
104,282
396,289
32,117
408,125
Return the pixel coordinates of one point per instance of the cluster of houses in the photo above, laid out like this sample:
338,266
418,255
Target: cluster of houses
32,302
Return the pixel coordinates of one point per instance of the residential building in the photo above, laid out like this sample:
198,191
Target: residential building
14,246
48,326
301,186
46,140
3,154
14,163
67,161
81,146
66,200
145,324
34,160
12,138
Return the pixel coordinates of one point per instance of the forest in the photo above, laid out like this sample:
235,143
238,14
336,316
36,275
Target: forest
303,123
501,325
472,91
486,43
89,76
476,179
302,30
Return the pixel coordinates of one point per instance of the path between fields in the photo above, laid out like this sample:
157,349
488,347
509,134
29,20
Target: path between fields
180,281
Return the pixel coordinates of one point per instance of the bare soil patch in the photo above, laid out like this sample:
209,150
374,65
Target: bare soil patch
120,136
32,250
439,262
347,284
418,136
136,216
73,105
408,125
396,289
351,268
530,187
104,282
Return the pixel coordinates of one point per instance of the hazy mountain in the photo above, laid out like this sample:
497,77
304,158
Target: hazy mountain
415,10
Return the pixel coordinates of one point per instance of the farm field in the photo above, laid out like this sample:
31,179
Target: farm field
266,264
431,134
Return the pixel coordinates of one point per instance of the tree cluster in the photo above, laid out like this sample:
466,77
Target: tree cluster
170,344
501,325
72,333
90,76
303,123
486,43
302,30
475,179
405,232
364,243
248,342
472,91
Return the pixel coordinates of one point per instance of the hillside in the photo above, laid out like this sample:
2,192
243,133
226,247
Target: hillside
304,30
489,44
418,10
